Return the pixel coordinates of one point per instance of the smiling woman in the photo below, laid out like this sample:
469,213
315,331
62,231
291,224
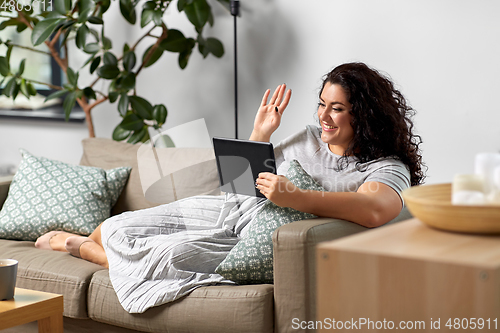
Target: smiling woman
364,154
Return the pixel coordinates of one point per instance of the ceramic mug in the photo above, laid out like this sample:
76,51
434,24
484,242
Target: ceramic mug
8,274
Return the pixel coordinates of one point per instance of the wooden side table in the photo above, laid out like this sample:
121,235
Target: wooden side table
30,305
412,274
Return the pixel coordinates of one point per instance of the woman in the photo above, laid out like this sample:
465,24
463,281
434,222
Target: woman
364,155
365,136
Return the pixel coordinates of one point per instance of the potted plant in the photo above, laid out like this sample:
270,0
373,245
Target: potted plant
56,23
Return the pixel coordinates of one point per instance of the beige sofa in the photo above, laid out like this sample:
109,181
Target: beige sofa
91,305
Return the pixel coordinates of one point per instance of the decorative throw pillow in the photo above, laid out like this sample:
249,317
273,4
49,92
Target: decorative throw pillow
48,195
251,260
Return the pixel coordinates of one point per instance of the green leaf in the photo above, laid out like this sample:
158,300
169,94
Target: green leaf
85,5
146,17
197,12
69,104
154,57
57,94
24,89
67,24
202,47
4,66
184,58
108,72
110,59
60,6
106,43
126,48
9,22
84,14
151,5
104,7
89,93
123,104
113,96
132,122
91,48
15,92
95,34
9,88
139,136
21,27
128,11
215,47
95,20
72,77
143,108
95,64
157,17
181,4
128,82
43,30
175,41
81,36
160,114
210,18
9,52
164,141
120,134
31,89
129,61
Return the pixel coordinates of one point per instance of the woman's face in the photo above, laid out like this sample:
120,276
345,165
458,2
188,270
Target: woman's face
335,118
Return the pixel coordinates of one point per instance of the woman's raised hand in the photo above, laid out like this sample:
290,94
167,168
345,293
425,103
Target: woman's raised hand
268,116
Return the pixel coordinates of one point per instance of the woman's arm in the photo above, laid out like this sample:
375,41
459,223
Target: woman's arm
371,206
268,116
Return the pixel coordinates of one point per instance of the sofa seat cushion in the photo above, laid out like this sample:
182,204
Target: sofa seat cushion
207,309
52,271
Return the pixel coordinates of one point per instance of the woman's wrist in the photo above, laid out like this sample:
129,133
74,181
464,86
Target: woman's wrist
256,136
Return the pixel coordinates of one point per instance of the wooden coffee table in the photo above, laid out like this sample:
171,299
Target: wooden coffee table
30,305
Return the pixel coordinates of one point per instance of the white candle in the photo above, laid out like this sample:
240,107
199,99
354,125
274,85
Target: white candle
462,182
485,164
468,190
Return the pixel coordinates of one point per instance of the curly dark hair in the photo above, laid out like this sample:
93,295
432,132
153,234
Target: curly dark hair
382,119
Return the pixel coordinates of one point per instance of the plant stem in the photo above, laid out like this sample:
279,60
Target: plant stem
140,39
153,48
45,84
28,48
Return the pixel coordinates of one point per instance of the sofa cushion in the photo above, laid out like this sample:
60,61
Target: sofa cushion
157,177
52,271
215,309
50,195
251,260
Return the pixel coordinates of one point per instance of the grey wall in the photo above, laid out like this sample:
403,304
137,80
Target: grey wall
443,55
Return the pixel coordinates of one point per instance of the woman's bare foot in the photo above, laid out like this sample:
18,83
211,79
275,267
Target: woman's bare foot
53,240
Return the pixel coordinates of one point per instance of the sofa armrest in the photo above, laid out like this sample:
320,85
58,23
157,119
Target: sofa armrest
4,188
295,265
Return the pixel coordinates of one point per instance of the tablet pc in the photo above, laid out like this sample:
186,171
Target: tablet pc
239,163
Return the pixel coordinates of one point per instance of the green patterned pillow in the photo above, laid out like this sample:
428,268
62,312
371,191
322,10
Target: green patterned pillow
48,195
251,260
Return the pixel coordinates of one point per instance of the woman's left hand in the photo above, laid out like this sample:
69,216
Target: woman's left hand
277,188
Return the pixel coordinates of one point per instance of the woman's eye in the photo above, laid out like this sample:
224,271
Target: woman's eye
337,110
322,105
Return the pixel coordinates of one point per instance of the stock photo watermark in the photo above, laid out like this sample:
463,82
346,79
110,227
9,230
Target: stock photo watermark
365,324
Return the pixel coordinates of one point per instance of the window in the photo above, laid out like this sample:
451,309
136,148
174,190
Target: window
40,68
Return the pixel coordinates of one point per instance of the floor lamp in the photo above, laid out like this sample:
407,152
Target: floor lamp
235,11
